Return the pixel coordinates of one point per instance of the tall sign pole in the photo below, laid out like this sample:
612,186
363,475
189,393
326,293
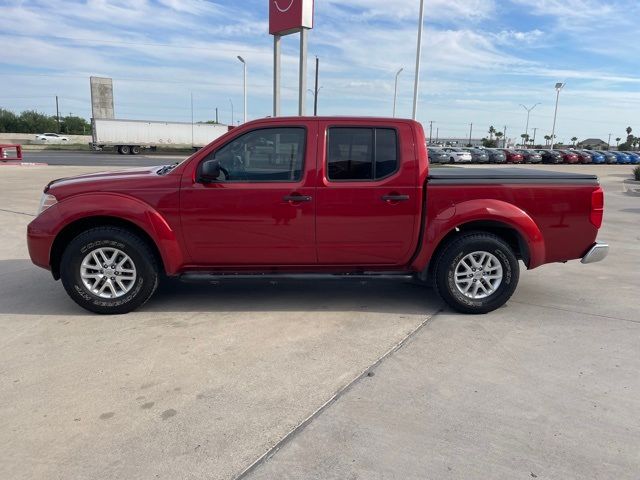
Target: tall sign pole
287,17
418,54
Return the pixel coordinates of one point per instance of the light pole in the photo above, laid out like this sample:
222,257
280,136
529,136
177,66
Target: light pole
526,130
395,91
244,81
559,86
232,123
418,53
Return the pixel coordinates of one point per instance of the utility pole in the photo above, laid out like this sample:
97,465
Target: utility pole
231,102
609,143
57,114
534,136
504,142
418,53
470,132
430,130
244,86
216,114
437,134
315,90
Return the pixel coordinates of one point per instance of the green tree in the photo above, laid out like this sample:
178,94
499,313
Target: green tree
72,125
547,139
618,141
574,140
499,135
489,143
525,139
8,121
492,131
31,121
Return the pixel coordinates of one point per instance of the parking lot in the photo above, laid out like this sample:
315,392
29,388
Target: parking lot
322,378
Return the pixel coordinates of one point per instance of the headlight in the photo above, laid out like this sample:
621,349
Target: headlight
46,201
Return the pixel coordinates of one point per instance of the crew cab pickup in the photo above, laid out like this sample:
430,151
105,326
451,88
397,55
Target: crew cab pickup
313,195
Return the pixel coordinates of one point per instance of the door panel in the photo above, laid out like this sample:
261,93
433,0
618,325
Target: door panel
245,221
372,222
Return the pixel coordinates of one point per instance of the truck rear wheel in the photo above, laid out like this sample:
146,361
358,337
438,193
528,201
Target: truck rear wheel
109,270
124,149
135,150
476,273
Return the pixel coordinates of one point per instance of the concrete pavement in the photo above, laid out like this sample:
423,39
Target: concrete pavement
205,379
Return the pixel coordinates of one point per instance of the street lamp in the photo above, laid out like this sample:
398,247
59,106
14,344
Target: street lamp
416,84
395,91
232,122
526,131
559,86
244,81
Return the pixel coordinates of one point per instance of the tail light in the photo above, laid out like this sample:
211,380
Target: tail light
597,207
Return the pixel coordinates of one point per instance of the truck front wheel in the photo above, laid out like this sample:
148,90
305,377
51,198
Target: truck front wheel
109,270
124,149
476,273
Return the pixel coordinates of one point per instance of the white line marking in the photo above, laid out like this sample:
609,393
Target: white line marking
275,2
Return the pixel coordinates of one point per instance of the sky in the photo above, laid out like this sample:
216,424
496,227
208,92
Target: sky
481,60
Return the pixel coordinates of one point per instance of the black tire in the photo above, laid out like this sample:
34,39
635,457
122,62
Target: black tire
124,149
135,150
140,253
452,254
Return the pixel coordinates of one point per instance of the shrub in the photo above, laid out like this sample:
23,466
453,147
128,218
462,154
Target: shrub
636,173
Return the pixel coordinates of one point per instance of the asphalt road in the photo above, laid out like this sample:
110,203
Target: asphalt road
99,159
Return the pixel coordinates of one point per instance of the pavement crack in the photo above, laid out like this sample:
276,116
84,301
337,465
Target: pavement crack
16,212
335,397
576,311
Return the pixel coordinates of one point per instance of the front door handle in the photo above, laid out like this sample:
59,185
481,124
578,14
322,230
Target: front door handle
297,198
395,198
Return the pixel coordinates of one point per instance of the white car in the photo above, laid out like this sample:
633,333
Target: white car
457,155
51,137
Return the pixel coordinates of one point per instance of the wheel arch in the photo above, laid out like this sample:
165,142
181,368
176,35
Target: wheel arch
73,229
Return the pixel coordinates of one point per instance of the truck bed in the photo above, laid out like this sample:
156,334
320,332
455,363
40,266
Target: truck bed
457,175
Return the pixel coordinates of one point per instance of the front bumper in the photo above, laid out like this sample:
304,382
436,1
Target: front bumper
596,253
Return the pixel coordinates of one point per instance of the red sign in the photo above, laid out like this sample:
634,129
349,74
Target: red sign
289,16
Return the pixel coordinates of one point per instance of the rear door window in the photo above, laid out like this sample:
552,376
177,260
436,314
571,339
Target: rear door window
361,154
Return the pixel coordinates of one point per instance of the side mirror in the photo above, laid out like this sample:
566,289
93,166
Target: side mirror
210,171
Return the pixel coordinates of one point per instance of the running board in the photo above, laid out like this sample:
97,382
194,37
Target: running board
218,276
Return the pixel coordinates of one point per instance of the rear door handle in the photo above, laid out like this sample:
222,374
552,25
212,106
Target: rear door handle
395,198
297,198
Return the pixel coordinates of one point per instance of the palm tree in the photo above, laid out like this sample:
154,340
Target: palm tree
546,139
525,139
618,141
499,135
629,130
574,140
492,130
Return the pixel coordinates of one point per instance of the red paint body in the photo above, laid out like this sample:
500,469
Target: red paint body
347,227
569,156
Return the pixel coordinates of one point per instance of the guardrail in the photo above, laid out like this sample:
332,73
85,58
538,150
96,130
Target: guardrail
5,149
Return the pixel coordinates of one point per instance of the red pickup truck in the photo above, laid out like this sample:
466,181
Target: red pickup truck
313,195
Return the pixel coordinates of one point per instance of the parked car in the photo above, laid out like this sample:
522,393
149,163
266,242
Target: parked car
51,138
634,157
230,208
583,157
436,155
457,155
496,155
513,156
550,156
530,156
478,155
622,158
569,156
596,157
609,156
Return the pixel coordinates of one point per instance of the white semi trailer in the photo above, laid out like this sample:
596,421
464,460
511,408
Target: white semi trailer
132,136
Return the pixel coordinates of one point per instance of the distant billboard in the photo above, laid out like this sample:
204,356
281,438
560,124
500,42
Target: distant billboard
290,16
102,98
